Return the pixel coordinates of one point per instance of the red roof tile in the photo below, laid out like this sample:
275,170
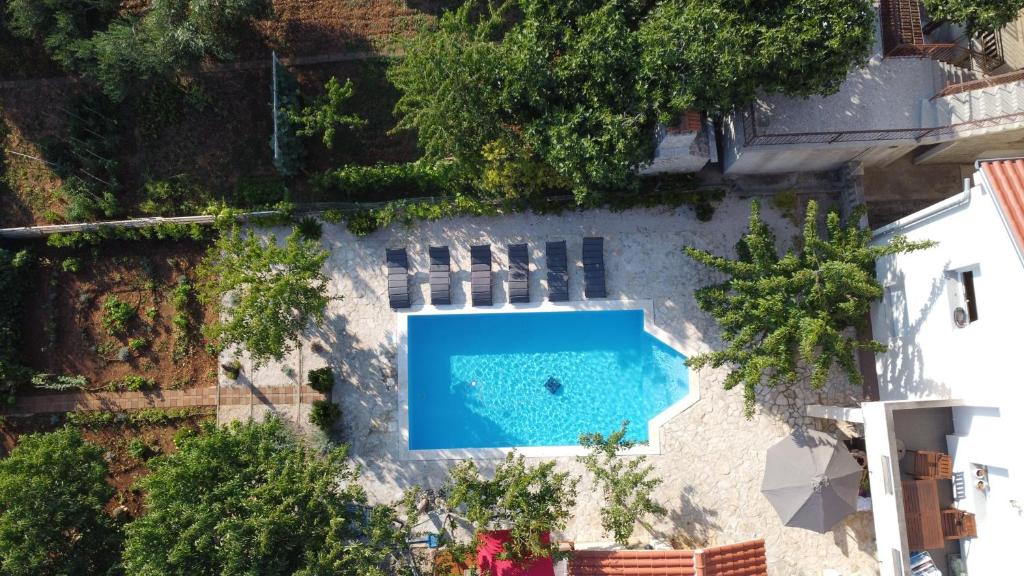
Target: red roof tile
1006,178
743,559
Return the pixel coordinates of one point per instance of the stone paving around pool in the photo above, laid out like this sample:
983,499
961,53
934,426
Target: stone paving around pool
712,458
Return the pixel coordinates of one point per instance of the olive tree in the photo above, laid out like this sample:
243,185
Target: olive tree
265,293
529,501
626,483
780,313
253,499
53,491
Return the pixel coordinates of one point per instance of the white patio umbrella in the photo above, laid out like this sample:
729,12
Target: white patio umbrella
812,480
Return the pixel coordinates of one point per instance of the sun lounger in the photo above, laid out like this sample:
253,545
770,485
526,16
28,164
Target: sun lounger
558,272
518,274
440,275
593,268
481,277
398,278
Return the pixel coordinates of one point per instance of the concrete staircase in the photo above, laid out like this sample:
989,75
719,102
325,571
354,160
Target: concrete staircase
979,104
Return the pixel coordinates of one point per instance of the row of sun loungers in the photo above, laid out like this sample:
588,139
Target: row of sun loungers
482,274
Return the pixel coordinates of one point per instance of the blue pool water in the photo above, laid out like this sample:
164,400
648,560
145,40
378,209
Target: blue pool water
478,380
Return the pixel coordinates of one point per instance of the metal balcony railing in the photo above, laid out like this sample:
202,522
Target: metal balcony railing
754,137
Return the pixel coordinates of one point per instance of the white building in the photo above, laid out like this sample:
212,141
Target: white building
927,90
952,318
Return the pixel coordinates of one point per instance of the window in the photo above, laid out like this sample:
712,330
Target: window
967,280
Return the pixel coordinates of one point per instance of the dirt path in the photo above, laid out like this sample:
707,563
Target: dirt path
229,396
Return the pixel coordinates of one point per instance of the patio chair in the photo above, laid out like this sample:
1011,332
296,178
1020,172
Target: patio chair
481,277
440,275
398,278
558,272
518,274
928,465
593,268
957,524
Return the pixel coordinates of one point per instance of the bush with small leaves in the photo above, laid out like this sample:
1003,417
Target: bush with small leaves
116,315
136,344
321,379
324,414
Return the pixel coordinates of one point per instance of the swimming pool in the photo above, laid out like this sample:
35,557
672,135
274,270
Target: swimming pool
533,379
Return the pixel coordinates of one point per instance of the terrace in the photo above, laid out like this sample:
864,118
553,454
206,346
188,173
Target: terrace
711,458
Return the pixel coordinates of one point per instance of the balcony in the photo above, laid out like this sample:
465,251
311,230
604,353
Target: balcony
905,34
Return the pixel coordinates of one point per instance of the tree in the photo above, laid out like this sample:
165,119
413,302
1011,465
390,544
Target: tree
777,314
168,37
327,113
265,293
12,286
975,15
252,499
529,501
572,91
53,490
64,27
719,54
626,484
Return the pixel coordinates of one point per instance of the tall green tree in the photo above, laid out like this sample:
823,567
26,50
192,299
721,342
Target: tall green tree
976,15
780,313
253,499
53,489
63,27
528,501
567,95
265,293
626,483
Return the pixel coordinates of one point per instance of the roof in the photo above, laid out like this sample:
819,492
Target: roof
1006,179
632,563
742,559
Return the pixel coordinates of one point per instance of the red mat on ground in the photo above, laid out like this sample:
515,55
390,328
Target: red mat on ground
491,546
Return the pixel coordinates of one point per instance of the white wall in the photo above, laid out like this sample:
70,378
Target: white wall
928,357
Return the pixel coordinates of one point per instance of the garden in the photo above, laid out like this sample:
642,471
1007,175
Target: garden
120,316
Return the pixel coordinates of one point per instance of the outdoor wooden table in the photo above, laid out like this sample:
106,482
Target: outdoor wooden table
922,513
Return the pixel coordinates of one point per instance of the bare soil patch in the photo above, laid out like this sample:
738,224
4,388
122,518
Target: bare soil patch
65,331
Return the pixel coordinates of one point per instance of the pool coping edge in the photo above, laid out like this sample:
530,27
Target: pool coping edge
654,425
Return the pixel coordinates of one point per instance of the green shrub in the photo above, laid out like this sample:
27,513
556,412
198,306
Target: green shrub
144,417
309,228
116,315
13,283
136,344
384,181
332,216
134,383
321,379
59,382
71,264
183,434
138,449
161,231
252,192
324,414
173,197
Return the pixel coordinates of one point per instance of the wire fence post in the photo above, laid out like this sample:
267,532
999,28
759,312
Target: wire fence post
273,90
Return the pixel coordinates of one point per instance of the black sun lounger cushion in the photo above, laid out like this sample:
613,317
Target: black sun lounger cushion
440,275
518,274
558,272
593,268
398,278
481,278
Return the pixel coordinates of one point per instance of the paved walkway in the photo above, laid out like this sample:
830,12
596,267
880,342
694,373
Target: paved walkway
229,396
